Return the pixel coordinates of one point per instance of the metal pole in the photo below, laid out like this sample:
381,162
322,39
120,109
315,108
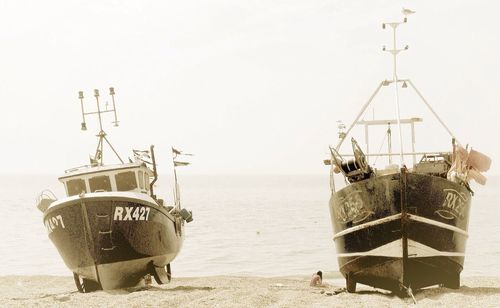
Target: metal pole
116,153
155,173
103,136
405,153
404,222
177,193
389,143
413,142
97,156
395,79
367,143
96,94
101,132
112,93
80,96
177,197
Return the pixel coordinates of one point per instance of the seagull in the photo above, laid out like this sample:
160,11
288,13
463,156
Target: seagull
407,12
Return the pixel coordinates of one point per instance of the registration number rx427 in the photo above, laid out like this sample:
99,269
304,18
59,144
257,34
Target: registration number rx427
52,223
131,213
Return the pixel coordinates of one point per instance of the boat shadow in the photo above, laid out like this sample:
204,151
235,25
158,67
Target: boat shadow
184,288
159,289
435,293
378,292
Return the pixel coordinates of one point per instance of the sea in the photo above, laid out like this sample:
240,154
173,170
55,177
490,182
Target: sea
245,225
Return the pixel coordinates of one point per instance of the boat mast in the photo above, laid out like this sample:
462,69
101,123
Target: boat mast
405,82
98,157
394,51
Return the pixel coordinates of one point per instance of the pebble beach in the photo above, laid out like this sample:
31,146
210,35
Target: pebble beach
229,291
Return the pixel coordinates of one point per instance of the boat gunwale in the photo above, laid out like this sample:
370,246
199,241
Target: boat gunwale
105,196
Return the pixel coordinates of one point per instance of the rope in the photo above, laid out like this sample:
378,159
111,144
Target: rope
380,149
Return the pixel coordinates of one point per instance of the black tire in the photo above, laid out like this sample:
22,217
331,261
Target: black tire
350,284
169,272
78,283
161,275
86,285
90,285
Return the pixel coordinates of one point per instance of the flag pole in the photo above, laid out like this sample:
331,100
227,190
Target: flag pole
177,195
177,200
177,192
155,172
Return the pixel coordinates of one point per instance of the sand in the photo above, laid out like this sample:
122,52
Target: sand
222,291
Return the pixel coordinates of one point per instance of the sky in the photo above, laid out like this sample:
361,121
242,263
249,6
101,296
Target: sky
249,87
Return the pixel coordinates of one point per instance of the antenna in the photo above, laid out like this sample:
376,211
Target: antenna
80,96
98,157
112,93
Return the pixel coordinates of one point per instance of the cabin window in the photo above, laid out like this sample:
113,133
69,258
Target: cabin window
141,180
75,187
146,181
100,183
126,181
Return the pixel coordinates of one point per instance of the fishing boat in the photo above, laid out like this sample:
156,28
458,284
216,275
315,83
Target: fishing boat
110,229
401,227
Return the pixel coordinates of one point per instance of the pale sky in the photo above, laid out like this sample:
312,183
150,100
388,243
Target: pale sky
248,86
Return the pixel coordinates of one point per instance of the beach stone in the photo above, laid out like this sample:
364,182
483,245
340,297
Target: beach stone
339,290
62,298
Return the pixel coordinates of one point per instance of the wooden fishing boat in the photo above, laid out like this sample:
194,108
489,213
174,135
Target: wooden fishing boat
111,230
401,228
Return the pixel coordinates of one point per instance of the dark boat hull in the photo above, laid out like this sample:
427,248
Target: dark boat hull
392,243
114,241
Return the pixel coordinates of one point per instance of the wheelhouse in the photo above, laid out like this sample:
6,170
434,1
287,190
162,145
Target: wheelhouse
133,177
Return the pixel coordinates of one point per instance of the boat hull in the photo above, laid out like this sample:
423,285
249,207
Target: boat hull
390,242
114,240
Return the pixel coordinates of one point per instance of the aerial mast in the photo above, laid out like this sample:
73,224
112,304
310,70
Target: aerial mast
97,160
395,51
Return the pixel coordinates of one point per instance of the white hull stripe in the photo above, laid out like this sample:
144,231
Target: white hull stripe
437,224
367,225
398,216
395,250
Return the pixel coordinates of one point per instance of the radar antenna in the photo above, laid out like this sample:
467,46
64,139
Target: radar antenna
97,160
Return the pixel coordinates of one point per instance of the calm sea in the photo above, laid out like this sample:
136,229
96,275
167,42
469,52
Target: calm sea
243,225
